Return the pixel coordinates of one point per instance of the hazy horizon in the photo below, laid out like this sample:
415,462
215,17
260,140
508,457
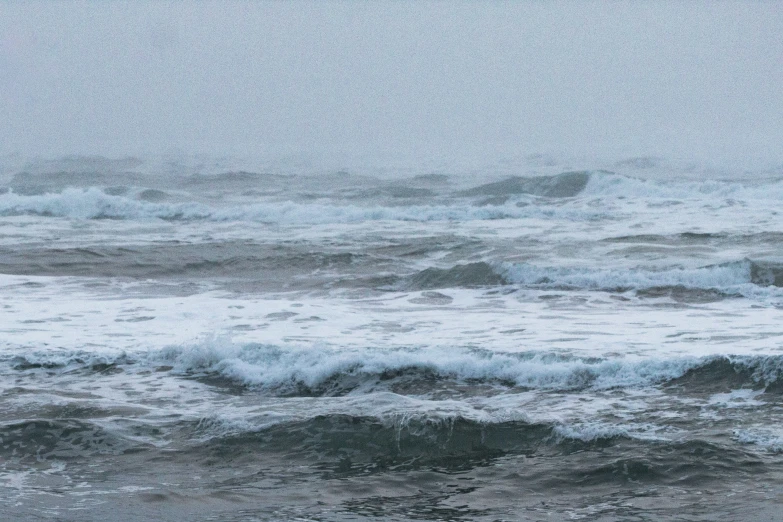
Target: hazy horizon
471,81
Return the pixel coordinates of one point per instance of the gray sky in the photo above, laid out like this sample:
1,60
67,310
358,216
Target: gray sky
683,79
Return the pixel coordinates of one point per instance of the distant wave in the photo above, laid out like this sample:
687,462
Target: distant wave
610,184
568,184
747,278
508,198
734,277
94,203
605,183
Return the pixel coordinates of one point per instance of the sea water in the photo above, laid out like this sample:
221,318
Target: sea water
181,342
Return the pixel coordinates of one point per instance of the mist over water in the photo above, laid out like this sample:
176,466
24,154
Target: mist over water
394,82
391,261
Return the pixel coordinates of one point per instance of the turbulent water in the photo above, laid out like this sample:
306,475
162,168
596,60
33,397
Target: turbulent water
555,344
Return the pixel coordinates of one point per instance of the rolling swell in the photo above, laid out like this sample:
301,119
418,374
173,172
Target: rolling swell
345,445
678,463
229,259
350,440
547,454
30,441
566,185
278,262
460,276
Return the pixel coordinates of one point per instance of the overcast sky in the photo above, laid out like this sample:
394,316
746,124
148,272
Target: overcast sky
680,79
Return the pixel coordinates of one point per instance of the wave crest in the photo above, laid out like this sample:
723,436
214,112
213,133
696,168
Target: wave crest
327,371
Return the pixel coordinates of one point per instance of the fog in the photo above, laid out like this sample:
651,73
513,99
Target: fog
472,80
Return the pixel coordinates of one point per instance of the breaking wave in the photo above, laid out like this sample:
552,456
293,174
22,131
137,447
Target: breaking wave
326,370
93,203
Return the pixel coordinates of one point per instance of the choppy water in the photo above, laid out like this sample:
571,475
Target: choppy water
229,345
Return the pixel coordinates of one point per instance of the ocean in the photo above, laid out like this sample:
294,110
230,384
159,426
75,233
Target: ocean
198,341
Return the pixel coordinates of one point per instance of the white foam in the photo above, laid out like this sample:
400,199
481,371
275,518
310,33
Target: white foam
70,315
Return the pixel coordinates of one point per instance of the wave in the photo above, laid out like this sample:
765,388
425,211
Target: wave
568,184
94,203
36,440
351,442
327,371
507,199
714,282
609,184
345,445
323,370
602,184
464,276
692,461
229,259
729,277
591,452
